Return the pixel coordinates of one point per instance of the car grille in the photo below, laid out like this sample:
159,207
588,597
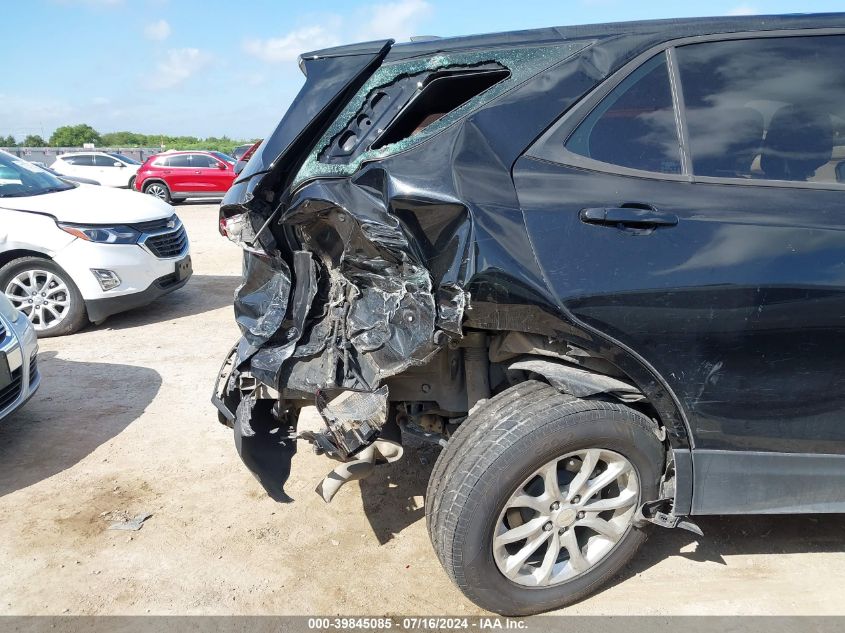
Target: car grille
170,244
2,331
12,391
33,368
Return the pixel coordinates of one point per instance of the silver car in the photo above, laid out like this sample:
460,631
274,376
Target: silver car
19,376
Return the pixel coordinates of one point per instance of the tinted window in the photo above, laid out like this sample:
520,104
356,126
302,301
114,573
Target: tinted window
178,160
202,161
634,126
81,161
104,161
767,108
162,161
224,157
125,159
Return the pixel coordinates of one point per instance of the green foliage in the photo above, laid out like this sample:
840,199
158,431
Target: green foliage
8,141
75,136
33,140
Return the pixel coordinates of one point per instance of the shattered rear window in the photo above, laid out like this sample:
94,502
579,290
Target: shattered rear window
348,142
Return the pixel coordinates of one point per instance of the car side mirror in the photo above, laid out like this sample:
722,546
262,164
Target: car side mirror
117,164
221,166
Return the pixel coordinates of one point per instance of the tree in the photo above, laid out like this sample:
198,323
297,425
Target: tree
124,139
74,136
34,140
8,141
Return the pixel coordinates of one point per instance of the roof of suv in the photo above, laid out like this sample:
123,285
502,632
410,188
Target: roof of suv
186,151
658,29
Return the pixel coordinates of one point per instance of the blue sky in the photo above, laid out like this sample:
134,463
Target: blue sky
214,67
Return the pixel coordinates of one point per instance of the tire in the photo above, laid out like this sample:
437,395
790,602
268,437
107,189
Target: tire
132,184
497,455
159,190
19,275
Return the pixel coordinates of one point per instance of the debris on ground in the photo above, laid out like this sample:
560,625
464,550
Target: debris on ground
122,521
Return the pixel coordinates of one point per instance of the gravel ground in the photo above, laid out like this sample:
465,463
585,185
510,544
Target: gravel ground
122,425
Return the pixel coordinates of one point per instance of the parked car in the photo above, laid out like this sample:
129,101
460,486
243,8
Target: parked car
601,265
77,179
244,158
240,150
19,375
108,168
175,176
72,253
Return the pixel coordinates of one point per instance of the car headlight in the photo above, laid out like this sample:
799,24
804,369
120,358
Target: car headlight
8,311
102,234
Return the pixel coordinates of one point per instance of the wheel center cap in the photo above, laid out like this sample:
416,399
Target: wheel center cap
565,517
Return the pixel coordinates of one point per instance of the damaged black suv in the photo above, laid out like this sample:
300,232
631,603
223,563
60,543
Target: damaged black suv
602,266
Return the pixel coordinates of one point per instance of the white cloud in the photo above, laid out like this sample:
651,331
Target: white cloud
396,20
744,9
399,20
288,47
178,65
158,30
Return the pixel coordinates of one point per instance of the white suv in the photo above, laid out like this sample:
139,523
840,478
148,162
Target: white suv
70,253
108,168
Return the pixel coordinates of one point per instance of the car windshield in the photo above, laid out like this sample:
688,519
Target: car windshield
125,159
224,157
20,178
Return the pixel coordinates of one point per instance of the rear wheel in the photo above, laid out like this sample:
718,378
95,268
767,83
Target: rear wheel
158,190
46,294
132,183
534,503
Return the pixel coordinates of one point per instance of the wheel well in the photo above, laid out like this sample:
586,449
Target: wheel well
484,363
150,181
9,256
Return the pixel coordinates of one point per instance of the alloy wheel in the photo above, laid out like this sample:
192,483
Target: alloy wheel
41,295
158,191
566,517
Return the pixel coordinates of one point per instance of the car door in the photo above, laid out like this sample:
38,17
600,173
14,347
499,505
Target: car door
206,172
179,174
691,212
79,165
109,171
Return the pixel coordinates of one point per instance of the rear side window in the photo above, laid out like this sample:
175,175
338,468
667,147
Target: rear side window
79,161
770,109
634,126
179,160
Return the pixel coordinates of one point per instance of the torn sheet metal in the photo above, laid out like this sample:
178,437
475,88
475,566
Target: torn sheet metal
522,63
363,263
578,382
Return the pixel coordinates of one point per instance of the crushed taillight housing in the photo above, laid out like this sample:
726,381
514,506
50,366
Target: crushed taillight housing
233,227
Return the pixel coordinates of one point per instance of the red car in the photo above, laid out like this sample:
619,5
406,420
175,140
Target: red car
175,176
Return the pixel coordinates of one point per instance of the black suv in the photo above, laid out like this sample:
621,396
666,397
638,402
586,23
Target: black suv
602,266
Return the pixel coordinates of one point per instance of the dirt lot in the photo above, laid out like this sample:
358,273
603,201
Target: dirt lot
123,423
